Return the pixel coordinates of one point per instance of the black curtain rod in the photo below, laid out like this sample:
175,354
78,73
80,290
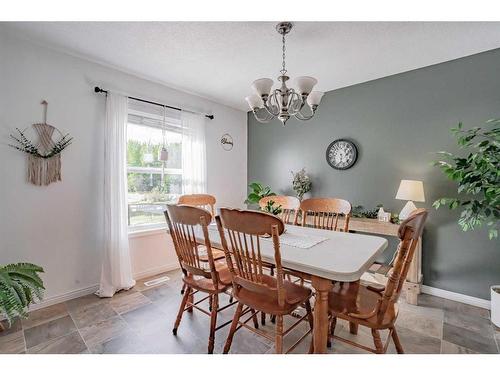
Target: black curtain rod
99,90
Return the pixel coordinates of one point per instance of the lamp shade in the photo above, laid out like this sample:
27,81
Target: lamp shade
411,190
262,86
305,84
314,98
254,101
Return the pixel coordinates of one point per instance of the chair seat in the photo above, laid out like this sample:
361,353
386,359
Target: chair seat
216,254
343,299
206,284
295,296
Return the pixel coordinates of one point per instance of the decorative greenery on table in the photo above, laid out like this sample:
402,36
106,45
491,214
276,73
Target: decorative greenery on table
275,210
258,192
25,145
301,183
477,176
358,211
20,286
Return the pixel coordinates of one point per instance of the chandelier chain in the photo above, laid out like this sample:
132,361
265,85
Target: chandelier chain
283,70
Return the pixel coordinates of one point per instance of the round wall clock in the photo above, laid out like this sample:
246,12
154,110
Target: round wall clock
341,154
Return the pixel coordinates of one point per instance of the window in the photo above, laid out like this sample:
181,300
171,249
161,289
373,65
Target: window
152,183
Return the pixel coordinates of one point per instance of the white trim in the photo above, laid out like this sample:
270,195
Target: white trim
92,289
156,270
474,301
64,297
148,231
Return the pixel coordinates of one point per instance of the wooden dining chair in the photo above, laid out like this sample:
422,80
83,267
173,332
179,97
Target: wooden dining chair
242,233
205,201
289,207
324,213
210,277
373,306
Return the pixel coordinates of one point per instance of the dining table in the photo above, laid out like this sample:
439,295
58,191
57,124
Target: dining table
320,256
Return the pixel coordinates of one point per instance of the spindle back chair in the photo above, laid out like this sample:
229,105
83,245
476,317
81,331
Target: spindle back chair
373,306
200,275
242,233
324,213
289,207
205,201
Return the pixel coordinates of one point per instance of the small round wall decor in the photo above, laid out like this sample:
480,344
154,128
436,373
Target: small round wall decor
341,154
226,142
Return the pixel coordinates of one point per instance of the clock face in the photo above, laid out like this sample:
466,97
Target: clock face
341,154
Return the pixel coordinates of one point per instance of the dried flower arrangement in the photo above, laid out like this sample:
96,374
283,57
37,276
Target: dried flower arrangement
301,183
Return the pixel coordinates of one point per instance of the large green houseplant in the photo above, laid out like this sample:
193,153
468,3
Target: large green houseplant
477,175
20,285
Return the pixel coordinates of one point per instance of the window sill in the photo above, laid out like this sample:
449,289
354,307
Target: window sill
147,231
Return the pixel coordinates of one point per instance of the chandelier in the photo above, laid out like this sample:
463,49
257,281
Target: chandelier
284,102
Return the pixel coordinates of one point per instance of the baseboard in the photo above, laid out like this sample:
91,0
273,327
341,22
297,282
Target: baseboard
92,289
156,270
64,297
469,300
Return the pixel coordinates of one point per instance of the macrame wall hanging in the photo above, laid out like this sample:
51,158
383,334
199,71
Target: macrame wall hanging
44,154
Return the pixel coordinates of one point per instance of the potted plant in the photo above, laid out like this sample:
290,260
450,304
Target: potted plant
478,178
271,208
258,192
301,183
20,285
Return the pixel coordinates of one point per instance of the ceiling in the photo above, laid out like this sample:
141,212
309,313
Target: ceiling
219,60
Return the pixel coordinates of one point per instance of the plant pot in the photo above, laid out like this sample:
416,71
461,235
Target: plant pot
495,305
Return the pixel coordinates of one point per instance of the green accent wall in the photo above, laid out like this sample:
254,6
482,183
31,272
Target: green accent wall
397,122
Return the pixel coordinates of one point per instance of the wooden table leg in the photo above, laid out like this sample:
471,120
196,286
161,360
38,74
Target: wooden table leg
320,332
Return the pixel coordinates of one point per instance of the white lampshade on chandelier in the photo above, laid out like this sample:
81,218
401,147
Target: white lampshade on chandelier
284,102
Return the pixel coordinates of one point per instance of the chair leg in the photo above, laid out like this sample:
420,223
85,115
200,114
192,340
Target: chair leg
279,334
232,330
263,318
397,343
187,292
255,319
333,324
190,300
183,288
353,328
311,324
214,299
377,341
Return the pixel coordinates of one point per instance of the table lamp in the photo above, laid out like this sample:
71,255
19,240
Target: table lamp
410,190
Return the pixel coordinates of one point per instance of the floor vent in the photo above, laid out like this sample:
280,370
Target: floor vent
157,281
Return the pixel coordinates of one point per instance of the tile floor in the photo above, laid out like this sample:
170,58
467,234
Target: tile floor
140,321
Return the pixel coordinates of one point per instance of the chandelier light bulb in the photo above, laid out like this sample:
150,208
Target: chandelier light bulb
305,84
263,86
314,98
254,102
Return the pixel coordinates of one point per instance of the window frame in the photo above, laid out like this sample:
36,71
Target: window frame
171,125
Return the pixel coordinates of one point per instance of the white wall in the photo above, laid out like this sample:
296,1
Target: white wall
60,226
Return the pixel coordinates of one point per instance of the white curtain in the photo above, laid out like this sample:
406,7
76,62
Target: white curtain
194,158
116,273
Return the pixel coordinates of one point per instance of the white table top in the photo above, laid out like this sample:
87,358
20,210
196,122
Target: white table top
342,257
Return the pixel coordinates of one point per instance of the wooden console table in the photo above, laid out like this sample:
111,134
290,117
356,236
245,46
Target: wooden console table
413,282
